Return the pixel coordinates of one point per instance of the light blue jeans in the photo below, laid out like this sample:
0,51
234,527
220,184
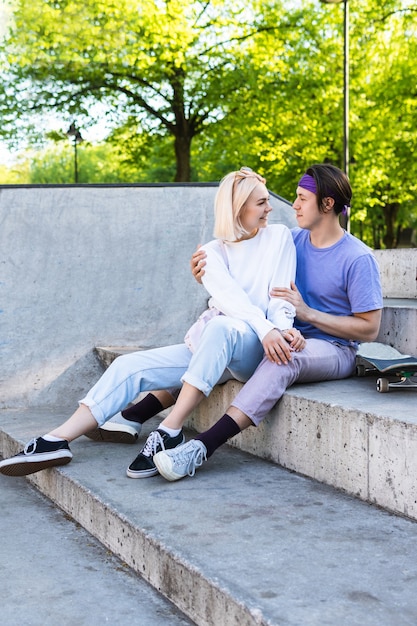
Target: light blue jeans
228,348
319,360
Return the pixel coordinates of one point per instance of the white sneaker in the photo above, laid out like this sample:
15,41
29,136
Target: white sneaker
116,430
181,461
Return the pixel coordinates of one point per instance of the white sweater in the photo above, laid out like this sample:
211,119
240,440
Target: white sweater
239,276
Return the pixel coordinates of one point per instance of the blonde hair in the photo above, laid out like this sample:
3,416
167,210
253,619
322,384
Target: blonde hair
233,192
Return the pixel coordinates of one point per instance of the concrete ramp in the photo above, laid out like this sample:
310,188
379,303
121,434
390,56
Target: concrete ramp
95,265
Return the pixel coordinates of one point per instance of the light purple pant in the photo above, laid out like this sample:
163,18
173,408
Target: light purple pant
319,360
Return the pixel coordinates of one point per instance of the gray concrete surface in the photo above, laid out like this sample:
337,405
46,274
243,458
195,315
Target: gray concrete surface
243,543
343,433
247,542
87,266
399,324
109,265
53,572
398,272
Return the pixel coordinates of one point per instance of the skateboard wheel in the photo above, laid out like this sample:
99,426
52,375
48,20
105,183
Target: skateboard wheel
382,385
360,370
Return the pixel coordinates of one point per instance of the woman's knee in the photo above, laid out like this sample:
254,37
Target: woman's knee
131,362
219,330
122,361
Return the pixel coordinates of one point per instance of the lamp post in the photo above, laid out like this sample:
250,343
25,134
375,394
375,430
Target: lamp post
345,80
345,84
74,133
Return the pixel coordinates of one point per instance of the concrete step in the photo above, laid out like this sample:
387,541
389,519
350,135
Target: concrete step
54,572
342,433
399,324
243,543
398,272
399,285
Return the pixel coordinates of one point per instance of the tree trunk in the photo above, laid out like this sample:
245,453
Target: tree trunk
183,159
390,211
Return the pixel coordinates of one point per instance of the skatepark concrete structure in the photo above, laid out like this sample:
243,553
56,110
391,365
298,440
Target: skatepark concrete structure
87,266
277,528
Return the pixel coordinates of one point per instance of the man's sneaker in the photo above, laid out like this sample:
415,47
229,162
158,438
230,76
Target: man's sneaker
143,466
116,430
37,455
181,462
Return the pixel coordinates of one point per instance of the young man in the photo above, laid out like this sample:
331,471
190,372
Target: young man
338,301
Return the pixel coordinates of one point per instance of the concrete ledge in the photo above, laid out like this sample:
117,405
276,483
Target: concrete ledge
399,324
398,272
107,354
342,433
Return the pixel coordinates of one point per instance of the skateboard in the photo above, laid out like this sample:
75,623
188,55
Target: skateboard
383,359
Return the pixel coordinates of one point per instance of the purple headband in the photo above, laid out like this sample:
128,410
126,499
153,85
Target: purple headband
308,182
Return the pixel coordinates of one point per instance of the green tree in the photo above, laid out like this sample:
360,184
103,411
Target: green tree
298,117
291,111
176,67
54,164
384,121
194,89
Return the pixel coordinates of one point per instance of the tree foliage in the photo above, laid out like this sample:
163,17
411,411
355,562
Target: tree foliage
383,121
172,65
194,89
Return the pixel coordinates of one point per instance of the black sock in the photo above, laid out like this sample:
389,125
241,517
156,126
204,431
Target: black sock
143,410
219,433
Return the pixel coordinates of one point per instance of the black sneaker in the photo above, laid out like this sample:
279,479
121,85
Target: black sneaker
143,466
37,455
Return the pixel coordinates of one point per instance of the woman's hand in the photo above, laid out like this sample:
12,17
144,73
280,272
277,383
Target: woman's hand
197,264
276,348
294,297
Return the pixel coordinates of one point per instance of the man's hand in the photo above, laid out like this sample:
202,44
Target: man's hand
197,264
294,338
357,327
294,297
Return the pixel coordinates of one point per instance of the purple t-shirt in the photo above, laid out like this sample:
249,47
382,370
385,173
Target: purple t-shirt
341,280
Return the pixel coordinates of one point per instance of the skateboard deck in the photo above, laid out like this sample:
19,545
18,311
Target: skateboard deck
374,358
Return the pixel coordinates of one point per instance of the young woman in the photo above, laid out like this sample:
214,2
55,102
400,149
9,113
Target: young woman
243,323
338,301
